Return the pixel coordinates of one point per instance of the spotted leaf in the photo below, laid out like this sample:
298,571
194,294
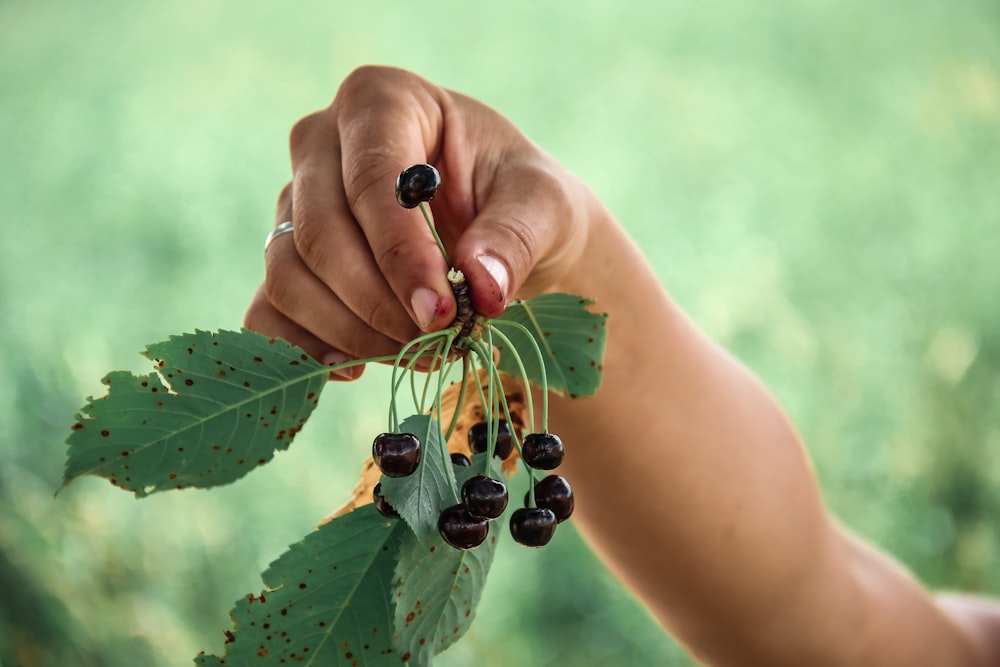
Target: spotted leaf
569,337
216,406
327,600
420,497
437,591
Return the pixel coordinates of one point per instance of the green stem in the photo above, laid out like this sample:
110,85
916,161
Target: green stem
421,405
423,342
460,403
541,369
504,408
524,376
437,238
487,412
408,369
452,482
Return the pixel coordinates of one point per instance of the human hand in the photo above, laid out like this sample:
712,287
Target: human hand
361,275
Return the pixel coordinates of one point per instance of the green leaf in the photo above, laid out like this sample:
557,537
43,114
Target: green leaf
570,338
328,600
420,497
437,591
218,405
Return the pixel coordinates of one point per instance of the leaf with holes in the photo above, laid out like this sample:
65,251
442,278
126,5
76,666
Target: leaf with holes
569,337
420,497
217,405
327,600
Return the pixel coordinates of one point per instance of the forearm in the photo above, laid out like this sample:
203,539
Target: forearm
696,491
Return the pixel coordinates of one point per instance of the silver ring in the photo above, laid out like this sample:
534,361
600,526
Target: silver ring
283,228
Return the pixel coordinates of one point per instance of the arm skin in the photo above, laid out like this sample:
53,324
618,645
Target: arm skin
691,484
696,491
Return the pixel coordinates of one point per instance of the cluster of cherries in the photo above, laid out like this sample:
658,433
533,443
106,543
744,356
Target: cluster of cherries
466,524
483,498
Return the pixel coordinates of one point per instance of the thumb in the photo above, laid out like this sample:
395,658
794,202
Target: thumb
519,239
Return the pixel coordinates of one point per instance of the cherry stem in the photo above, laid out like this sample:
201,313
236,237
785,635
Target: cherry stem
460,403
442,373
487,416
502,408
422,343
430,225
494,427
541,369
409,367
524,375
436,358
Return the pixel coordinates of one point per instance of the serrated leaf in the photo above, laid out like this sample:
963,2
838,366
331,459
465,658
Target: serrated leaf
328,600
437,591
218,405
570,338
420,497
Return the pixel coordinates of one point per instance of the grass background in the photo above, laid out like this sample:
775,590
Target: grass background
817,184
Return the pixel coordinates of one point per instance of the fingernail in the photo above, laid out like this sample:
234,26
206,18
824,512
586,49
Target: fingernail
424,303
336,357
498,272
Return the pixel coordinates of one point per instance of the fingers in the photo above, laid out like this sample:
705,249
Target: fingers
297,294
379,258
524,238
360,275
265,319
331,247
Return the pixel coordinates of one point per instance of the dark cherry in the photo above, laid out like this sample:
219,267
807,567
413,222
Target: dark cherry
382,505
542,451
460,459
505,441
484,497
533,526
396,454
417,183
460,529
554,493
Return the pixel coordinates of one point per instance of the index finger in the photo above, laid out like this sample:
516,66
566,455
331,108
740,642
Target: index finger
388,120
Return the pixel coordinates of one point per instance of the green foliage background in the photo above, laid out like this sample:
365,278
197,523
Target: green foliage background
816,182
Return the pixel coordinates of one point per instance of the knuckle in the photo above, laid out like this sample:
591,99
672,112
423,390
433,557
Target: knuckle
378,312
364,171
279,292
366,80
525,241
361,78
554,190
308,237
392,252
303,132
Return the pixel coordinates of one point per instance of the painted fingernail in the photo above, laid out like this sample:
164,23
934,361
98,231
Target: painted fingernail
425,304
336,357
498,272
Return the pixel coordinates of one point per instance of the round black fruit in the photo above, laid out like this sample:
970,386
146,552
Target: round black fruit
460,459
554,493
484,497
396,454
542,451
533,526
382,505
505,440
460,529
417,183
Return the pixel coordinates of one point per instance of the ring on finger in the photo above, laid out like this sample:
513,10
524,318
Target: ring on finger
283,228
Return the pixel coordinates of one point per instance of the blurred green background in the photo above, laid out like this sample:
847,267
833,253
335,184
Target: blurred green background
818,183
